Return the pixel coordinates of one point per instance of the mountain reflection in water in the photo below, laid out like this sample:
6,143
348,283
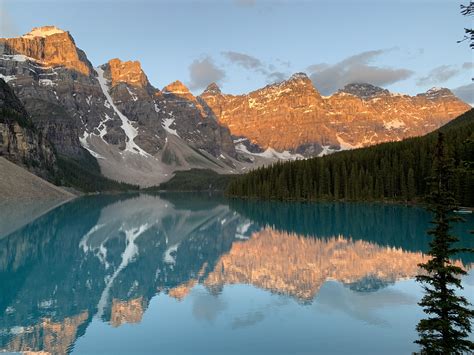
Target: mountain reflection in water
107,257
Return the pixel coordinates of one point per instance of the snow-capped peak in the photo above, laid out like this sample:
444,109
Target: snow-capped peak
43,32
436,89
438,92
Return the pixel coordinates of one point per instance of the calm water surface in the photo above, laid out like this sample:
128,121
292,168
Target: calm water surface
186,274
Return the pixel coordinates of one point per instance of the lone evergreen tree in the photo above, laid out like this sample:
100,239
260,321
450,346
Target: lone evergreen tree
449,324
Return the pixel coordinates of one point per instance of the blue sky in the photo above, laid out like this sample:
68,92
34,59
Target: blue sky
404,45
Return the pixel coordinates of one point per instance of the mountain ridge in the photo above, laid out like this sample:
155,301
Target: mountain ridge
391,171
141,135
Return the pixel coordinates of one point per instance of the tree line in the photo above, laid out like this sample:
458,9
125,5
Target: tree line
390,171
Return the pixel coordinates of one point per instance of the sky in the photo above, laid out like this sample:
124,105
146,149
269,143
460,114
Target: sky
406,46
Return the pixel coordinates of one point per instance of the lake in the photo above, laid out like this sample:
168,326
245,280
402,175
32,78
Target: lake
199,274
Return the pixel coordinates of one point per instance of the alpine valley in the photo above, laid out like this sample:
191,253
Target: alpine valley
58,107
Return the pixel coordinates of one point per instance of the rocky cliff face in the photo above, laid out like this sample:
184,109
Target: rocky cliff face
49,45
57,85
20,142
293,116
142,135
172,111
111,112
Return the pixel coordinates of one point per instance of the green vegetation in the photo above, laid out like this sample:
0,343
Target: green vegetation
449,324
395,171
468,10
196,180
85,175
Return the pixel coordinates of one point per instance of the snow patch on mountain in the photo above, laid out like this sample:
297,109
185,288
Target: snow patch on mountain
132,94
166,123
345,145
326,150
46,82
84,140
130,131
270,153
43,32
7,78
16,57
284,155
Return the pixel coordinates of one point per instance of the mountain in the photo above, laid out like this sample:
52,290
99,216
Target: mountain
112,117
393,171
20,142
137,133
356,116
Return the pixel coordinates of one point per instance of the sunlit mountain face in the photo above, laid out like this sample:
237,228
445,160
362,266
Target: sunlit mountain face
103,268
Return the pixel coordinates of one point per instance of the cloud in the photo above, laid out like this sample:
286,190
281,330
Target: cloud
468,65
285,63
438,75
317,67
244,60
276,76
251,63
203,72
248,320
355,69
333,296
465,93
207,307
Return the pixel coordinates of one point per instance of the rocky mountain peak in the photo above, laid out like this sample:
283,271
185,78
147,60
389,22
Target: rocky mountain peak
438,93
212,89
49,46
364,91
129,72
43,32
176,88
298,82
299,77
178,92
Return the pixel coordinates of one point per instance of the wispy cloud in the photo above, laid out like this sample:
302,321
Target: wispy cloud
355,69
276,76
438,75
249,62
244,60
203,72
465,93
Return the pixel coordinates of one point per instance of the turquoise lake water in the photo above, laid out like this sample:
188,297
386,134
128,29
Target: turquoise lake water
198,274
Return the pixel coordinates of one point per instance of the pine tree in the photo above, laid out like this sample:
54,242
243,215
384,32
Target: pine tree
449,324
411,184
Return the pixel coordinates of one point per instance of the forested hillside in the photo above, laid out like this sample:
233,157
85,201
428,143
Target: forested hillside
390,171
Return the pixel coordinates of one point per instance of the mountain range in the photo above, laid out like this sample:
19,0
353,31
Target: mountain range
141,135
